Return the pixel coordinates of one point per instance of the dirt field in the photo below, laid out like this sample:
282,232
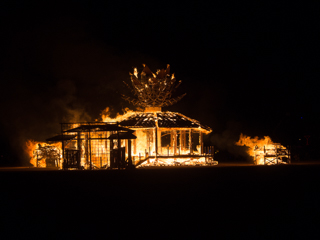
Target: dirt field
278,202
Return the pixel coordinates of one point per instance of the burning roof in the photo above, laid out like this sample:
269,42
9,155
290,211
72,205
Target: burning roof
162,120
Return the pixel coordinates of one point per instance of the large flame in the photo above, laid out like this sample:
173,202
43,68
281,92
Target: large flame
106,113
143,150
32,148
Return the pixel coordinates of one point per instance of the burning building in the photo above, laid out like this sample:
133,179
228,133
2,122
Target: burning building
168,138
150,137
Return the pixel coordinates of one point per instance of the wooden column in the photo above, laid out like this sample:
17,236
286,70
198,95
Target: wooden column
111,154
159,141
62,153
201,142
171,143
156,141
135,144
79,149
90,150
118,151
174,142
190,141
183,139
129,154
87,148
180,141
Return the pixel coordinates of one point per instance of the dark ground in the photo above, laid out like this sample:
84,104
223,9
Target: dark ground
256,202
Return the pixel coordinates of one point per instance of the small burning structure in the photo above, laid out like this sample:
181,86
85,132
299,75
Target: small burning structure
95,145
43,154
264,151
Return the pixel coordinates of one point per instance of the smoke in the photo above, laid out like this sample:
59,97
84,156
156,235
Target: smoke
58,71
225,143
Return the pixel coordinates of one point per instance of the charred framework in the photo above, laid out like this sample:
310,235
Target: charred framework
153,89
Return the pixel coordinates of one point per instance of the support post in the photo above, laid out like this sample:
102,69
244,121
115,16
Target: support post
201,142
174,142
111,154
90,150
118,151
62,152
87,148
129,154
156,142
190,141
79,151
264,155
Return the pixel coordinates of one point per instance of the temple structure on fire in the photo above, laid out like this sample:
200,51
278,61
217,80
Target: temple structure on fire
151,137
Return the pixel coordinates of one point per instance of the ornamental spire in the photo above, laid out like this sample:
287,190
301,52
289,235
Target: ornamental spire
153,89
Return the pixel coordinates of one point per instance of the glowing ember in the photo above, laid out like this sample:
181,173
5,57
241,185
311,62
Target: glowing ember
264,151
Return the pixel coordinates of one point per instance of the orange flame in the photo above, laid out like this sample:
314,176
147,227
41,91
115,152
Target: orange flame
32,146
257,145
252,142
106,115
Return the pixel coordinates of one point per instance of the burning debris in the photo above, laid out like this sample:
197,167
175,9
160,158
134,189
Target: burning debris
264,151
43,154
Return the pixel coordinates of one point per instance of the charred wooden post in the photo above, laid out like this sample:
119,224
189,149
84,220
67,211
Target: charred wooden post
129,154
190,141
79,149
89,139
118,151
156,141
174,142
111,154
201,142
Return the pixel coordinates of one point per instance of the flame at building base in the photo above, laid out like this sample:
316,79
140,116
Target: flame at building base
202,161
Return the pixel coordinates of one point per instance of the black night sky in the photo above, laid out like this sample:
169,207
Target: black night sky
246,67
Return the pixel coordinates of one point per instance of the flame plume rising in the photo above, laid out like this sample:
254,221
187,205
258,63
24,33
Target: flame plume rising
105,115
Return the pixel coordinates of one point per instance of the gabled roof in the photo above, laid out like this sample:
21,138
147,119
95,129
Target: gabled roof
60,138
100,127
122,135
162,120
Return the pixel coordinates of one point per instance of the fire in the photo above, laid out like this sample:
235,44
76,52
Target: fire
106,115
41,152
263,150
141,146
135,72
161,137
